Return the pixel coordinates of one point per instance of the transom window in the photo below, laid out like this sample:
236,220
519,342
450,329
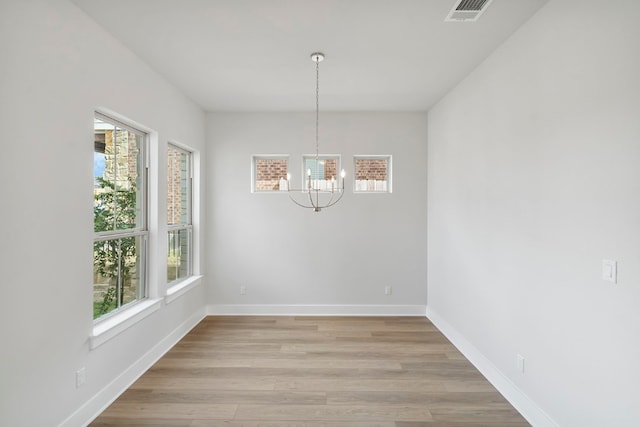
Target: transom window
179,214
119,215
321,173
372,174
269,173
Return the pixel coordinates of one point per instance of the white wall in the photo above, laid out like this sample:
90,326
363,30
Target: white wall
56,67
534,178
338,260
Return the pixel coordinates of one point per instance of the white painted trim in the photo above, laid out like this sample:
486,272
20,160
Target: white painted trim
523,404
181,288
316,310
108,328
105,397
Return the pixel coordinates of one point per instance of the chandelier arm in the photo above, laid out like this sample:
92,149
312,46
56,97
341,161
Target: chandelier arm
330,200
300,204
314,205
336,201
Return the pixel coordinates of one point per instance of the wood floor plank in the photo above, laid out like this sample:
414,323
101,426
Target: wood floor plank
296,371
312,373
333,413
108,421
178,411
366,346
240,356
282,423
357,385
252,397
390,356
436,423
433,399
311,363
481,385
252,362
177,383
478,414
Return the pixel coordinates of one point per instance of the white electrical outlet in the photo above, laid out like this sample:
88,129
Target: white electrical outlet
81,377
520,363
243,290
387,290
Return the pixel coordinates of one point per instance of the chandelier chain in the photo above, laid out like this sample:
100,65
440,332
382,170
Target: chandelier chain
317,105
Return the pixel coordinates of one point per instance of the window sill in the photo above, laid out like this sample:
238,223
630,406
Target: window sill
270,192
371,192
181,288
104,330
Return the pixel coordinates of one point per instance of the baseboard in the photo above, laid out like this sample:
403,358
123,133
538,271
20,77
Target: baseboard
98,403
315,310
523,404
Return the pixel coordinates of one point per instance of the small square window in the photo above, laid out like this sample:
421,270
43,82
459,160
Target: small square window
372,174
269,173
322,172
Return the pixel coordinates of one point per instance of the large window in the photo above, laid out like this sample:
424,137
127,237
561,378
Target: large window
179,184
119,215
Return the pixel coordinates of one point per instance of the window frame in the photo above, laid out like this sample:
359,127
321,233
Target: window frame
254,173
141,230
188,225
388,158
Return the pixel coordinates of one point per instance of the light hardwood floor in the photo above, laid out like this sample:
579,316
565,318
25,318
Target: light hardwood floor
312,372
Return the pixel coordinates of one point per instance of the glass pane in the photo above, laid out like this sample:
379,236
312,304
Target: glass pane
323,173
372,175
102,187
131,280
270,173
117,266
178,187
178,265
104,281
117,167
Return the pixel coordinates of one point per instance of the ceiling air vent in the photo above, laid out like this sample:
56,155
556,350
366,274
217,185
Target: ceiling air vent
467,10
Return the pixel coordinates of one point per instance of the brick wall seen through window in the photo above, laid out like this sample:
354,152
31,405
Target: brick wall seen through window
372,174
270,173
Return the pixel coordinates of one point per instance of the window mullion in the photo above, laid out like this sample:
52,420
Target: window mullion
189,199
119,275
190,254
111,235
114,138
143,268
174,227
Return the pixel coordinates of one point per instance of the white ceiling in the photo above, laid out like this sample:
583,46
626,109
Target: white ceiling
254,55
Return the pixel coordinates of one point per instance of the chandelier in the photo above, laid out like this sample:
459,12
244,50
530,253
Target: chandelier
317,193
